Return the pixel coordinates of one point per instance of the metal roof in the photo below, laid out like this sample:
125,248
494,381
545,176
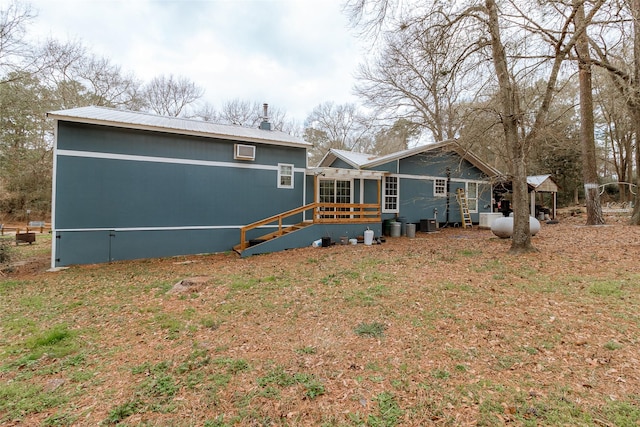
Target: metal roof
536,180
543,183
362,160
352,158
145,121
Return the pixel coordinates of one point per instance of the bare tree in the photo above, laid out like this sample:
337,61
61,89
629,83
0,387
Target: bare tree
81,78
618,130
480,27
169,95
250,114
108,85
337,126
610,54
15,51
414,77
207,112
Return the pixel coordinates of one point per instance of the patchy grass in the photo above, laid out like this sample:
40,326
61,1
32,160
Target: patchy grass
444,329
372,330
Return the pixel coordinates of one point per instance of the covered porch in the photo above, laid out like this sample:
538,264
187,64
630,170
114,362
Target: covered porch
343,201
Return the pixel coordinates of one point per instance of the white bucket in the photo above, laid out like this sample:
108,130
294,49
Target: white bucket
368,237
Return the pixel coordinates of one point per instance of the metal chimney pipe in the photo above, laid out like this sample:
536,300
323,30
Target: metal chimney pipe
265,125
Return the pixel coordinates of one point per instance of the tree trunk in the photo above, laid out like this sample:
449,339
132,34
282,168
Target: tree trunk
635,217
516,146
587,139
635,103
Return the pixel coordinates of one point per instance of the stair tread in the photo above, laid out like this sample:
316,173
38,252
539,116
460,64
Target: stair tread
275,234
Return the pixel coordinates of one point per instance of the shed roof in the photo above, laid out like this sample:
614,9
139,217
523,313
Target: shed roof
364,161
145,121
542,183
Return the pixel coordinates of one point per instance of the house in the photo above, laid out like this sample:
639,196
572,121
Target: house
130,185
422,182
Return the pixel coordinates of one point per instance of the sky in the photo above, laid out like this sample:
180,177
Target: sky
291,54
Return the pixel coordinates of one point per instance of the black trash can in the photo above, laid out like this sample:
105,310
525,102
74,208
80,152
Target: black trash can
386,227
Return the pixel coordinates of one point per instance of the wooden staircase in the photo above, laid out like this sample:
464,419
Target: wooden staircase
322,213
461,196
273,235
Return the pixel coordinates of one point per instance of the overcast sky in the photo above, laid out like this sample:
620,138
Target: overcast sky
292,54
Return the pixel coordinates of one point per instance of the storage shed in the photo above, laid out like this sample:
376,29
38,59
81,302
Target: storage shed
539,186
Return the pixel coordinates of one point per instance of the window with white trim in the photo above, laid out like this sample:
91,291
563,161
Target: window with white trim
472,196
440,187
285,175
390,195
334,191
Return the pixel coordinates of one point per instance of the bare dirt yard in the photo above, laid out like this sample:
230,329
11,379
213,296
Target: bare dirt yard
443,329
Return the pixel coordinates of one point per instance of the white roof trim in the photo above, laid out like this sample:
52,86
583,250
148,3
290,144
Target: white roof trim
144,121
339,173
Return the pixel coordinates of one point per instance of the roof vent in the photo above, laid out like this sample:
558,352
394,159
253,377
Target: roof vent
265,125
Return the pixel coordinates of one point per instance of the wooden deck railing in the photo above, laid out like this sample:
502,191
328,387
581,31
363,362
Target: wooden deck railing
344,213
325,213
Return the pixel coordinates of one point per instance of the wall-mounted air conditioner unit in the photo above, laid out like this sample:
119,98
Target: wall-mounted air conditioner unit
244,152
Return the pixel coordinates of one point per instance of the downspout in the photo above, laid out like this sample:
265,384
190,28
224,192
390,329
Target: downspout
54,233
448,192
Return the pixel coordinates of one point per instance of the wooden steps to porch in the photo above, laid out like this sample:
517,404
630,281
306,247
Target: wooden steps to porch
273,235
321,213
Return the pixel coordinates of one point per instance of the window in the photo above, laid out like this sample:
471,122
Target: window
334,191
285,175
440,187
390,195
472,196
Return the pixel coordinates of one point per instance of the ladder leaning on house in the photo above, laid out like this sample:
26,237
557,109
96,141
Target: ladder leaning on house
464,208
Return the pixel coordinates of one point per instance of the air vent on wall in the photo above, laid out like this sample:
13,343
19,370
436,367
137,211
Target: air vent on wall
244,152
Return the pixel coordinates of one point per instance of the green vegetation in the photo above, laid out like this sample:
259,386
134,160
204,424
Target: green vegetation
372,330
277,376
290,347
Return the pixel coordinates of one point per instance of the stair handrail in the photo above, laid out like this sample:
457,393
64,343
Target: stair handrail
358,212
278,217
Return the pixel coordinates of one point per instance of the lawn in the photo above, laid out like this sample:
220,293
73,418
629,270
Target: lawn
444,329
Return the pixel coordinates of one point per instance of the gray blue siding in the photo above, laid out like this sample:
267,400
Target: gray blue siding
307,235
126,194
417,174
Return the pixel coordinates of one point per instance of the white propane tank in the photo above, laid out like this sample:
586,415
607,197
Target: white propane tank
503,226
368,237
